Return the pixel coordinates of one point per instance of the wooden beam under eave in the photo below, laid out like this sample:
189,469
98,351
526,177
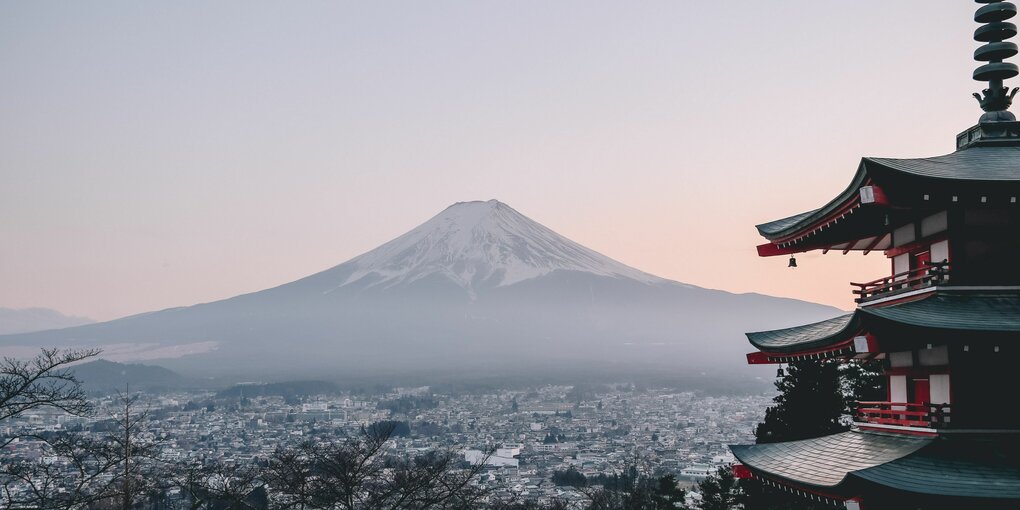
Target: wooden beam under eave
878,239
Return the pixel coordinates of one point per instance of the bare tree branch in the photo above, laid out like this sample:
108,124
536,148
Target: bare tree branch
43,381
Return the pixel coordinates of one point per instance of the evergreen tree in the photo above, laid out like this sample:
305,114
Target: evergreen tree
862,381
815,398
811,403
720,491
569,478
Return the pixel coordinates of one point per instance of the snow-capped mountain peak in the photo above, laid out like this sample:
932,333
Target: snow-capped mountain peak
483,244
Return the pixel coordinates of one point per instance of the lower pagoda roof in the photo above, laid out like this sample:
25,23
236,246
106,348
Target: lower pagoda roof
972,466
943,309
968,466
826,461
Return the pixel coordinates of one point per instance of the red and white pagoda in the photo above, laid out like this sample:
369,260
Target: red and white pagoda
945,322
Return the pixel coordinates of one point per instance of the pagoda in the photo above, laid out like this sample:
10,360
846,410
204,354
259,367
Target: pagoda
944,323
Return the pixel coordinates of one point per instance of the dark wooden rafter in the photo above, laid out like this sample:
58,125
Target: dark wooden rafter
876,242
843,347
852,203
842,350
741,471
798,242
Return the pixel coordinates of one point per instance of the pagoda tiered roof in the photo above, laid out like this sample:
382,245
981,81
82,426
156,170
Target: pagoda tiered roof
886,190
798,338
945,322
827,461
964,466
976,164
959,310
940,311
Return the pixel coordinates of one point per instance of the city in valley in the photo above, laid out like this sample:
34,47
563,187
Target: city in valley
527,255
535,444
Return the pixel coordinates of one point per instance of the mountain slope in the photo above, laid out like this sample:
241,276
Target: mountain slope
483,244
478,286
103,375
36,319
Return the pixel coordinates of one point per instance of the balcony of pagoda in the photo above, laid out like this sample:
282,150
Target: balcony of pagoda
918,418
928,275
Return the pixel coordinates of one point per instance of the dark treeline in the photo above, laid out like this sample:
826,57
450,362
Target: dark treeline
477,381
407,405
281,389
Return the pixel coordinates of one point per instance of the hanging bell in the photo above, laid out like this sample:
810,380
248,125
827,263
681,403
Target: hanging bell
793,261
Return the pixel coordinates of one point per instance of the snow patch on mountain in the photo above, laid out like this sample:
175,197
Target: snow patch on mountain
483,244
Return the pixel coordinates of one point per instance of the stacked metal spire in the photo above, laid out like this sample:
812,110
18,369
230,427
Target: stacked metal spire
994,32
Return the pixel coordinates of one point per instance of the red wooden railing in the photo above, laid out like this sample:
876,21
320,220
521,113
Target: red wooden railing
930,274
904,414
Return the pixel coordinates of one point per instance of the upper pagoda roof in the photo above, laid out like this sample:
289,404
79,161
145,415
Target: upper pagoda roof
951,310
893,187
970,466
973,164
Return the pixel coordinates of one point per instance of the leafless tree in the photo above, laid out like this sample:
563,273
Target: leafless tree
79,471
140,468
43,381
76,473
433,480
203,486
355,474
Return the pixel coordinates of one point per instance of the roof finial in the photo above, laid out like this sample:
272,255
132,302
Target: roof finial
994,32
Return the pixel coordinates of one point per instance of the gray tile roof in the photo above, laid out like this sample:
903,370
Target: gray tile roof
972,165
967,465
826,461
774,227
961,310
976,466
802,337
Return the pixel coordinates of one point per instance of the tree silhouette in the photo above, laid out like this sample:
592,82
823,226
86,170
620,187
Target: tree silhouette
719,491
811,403
354,474
43,381
816,398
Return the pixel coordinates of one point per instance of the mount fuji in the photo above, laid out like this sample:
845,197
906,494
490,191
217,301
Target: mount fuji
479,286
483,245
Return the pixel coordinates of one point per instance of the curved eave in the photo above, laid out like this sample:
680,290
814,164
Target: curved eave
974,312
998,165
825,462
798,224
965,467
972,467
806,337
986,171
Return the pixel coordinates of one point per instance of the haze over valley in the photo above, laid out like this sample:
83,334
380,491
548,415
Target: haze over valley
480,289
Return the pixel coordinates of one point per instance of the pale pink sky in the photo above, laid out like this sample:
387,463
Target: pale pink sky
164,154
